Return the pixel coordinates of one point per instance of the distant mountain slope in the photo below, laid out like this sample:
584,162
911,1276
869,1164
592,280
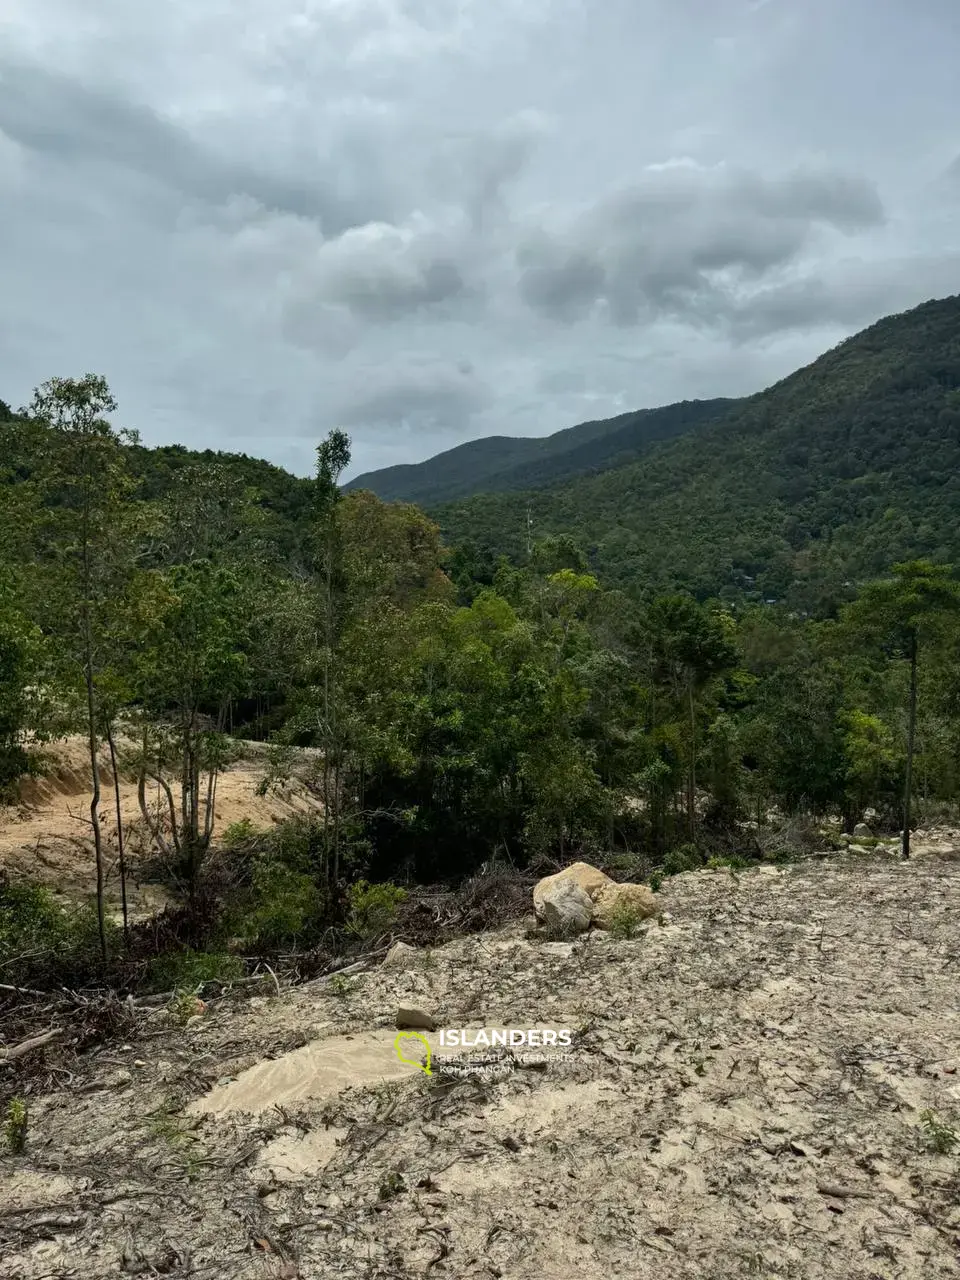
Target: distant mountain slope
833,473
498,464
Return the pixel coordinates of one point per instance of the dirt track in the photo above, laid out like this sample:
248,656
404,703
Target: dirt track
744,1098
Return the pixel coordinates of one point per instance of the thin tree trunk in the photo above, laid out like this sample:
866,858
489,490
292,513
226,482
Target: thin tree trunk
92,722
692,776
911,737
120,844
95,796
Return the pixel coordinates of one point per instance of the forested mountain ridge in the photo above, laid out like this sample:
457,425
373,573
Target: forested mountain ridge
829,475
502,464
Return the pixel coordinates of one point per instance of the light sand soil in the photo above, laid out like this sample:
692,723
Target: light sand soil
744,1099
47,836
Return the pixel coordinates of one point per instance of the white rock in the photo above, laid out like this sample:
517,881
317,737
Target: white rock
566,907
589,879
400,956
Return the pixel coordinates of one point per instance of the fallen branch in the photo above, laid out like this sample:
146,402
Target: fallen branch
836,1192
26,1046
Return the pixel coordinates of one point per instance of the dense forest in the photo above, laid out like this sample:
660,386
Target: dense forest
824,479
505,464
466,709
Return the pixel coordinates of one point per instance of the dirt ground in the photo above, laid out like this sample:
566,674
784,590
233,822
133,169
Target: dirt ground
47,837
744,1097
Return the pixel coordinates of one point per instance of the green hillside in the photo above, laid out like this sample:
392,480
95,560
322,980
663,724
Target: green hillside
828,476
501,464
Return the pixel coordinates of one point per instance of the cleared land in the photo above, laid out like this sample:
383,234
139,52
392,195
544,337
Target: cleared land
744,1098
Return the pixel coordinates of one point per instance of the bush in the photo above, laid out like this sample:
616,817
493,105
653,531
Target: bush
45,944
273,899
241,835
624,921
15,1126
188,970
373,907
686,857
286,909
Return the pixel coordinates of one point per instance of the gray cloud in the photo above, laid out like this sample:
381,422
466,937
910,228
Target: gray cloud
685,240
383,273
79,125
428,395
427,222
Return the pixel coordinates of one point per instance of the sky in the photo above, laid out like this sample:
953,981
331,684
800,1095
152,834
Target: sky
426,221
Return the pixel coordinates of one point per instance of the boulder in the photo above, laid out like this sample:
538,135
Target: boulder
400,956
566,907
409,1017
613,898
861,831
587,878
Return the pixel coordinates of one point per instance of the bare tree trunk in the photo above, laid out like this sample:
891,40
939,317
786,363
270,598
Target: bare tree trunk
120,843
911,739
692,775
95,795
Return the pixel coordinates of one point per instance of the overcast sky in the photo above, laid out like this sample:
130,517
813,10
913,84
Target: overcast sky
431,220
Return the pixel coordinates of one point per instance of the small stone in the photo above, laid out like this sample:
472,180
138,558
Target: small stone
409,1016
861,831
400,956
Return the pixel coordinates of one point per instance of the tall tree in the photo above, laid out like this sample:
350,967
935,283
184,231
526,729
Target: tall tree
85,488
333,457
903,613
686,645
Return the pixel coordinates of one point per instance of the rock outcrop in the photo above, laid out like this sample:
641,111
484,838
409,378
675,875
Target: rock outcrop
581,895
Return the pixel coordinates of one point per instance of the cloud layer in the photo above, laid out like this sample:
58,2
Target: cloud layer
428,223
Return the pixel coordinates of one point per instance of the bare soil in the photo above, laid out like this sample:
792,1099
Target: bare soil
743,1098
47,836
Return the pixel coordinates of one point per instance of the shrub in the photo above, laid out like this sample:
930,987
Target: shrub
686,857
373,907
188,970
45,944
286,907
15,1126
624,921
941,1137
241,835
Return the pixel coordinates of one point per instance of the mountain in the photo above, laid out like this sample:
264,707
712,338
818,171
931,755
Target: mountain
828,476
501,464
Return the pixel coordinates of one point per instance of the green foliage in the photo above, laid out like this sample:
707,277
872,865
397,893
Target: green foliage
183,1006
624,921
287,907
504,464
941,1137
189,970
373,907
822,480
16,641
15,1123
45,943
685,857
241,835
